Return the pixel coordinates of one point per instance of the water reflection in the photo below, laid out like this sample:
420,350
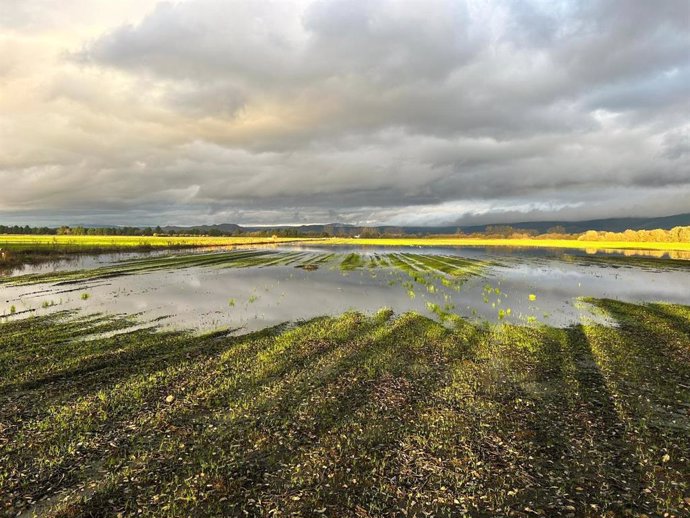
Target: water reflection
521,287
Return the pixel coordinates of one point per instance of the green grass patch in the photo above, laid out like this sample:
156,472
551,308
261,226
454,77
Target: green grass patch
352,415
352,261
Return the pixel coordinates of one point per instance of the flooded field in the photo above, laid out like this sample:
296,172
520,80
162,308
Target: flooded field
281,400
252,288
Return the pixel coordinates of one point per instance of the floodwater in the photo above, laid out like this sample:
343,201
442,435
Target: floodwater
522,286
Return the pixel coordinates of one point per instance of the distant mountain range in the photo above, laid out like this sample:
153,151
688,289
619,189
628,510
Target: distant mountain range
609,224
571,227
226,228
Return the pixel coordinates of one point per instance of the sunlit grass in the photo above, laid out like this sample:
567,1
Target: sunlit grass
27,241
396,415
518,243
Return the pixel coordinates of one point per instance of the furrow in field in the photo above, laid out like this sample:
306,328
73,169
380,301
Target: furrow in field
138,266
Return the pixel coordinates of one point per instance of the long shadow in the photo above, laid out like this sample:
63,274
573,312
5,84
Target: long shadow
610,470
656,343
526,447
576,435
672,319
635,315
127,441
107,361
652,382
569,445
288,431
108,366
31,333
31,398
171,349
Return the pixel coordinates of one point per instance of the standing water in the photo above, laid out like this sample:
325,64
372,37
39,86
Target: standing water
250,289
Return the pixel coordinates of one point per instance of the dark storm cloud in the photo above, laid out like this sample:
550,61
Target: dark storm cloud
376,111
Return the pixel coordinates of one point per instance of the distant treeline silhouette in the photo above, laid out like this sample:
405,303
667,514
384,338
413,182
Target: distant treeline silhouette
674,235
102,231
149,231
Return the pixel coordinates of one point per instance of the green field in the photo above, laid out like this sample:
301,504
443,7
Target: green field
16,250
347,416
361,415
28,242
516,243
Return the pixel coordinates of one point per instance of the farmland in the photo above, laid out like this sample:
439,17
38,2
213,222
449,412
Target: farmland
344,258
16,250
347,415
38,242
314,379
30,247
517,243
29,242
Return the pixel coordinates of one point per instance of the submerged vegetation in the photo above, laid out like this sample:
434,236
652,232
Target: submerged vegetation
17,250
352,261
347,416
225,259
653,263
416,265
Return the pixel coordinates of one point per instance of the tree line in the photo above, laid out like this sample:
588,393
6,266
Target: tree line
674,235
149,231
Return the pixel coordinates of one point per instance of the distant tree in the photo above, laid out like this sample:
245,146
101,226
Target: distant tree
683,234
590,235
658,236
504,231
369,232
396,231
630,235
558,229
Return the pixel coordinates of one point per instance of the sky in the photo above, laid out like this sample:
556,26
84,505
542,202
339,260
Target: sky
410,112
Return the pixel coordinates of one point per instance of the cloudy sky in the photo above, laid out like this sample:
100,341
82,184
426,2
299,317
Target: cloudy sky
369,112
